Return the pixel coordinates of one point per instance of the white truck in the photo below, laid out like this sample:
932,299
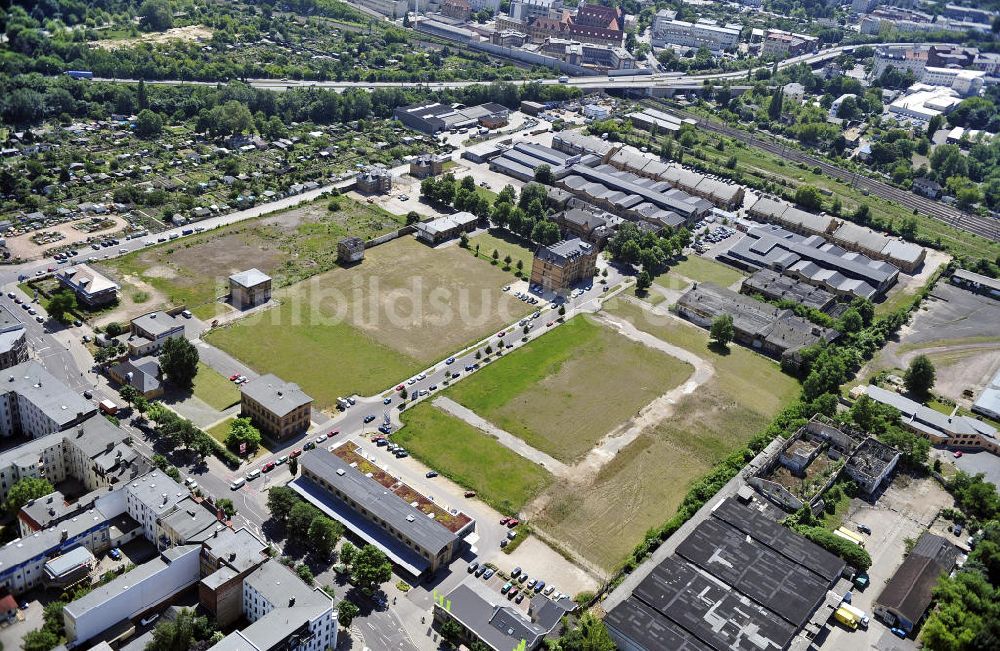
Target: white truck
861,615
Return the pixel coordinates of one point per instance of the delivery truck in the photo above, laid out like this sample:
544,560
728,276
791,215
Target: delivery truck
859,614
846,617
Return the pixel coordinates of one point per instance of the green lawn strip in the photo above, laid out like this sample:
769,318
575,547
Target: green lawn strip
702,270
469,457
504,246
214,389
220,430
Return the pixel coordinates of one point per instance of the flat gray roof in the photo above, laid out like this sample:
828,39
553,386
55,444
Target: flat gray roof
58,402
71,559
158,323
564,250
491,617
190,519
157,491
381,503
274,394
9,321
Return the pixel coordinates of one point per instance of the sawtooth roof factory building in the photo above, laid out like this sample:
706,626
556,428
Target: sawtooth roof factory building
738,581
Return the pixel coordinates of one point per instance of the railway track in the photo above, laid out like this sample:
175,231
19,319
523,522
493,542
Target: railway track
986,227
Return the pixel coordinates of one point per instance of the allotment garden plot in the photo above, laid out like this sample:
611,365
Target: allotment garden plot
362,329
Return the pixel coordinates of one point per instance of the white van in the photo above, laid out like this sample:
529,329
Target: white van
237,483
253,474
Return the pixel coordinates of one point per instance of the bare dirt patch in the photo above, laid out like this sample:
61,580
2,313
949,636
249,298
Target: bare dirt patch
189,33
21,246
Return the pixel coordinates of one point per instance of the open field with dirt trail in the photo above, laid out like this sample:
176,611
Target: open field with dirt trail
358,330
566,390
959,332
289,246
644,483
600,508
471,458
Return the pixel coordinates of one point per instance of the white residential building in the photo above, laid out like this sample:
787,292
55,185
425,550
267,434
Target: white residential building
283,611
151,497
33,403
669,31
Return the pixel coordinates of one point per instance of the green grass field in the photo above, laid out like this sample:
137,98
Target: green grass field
220,430
567,389
471,458
362,329
217,391
643,485
702,270
504,246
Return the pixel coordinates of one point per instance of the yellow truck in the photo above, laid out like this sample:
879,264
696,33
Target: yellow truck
846,617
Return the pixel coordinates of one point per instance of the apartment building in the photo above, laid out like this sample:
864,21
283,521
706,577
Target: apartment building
426,165
527,10
284,613
151,497
227,557
556,268
277,408
149,332
33,403
13,340
91,288
374,179
249,288
781,44
965,82
701,34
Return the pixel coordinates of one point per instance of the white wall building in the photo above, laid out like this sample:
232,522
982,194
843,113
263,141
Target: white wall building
131,594
150,497
668,31
965,82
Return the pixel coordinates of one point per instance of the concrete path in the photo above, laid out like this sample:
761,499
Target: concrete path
505,438
222,362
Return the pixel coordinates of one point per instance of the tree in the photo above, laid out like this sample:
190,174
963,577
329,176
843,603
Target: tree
545,232
935,123
589,635
463,240
774,108
300,519
280,500
323,536
62,305
543,174
129,394
370,568
643,281
179,360
451,631
226,506
141,404
148,124
41,639
412,217
293,466
180,634
347,552
919,377
242,431
809,197
25,490
346,612
305,573
155,15
722,330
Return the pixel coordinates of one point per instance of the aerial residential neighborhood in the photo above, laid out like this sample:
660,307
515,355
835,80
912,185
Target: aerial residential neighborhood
533,325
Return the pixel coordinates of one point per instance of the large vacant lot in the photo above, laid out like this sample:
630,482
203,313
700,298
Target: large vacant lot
643,485
362,329
471,458
566,390
959,331
289,246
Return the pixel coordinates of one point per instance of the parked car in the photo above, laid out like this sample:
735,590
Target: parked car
310,445
488,573
369,418
513,522
504,520
268,467
450,360
957,454
864,528
473,566
115,554
898,632
294,453
515,572
431,474
470,493
387,401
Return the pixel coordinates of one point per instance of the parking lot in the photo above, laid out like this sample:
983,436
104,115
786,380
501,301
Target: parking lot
906,509
972,462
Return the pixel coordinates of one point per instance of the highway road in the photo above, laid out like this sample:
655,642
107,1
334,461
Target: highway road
667,80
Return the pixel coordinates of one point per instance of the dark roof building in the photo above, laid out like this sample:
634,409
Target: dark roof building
813,260
738,581
775,287
410,538
906,596
434,117
771,330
